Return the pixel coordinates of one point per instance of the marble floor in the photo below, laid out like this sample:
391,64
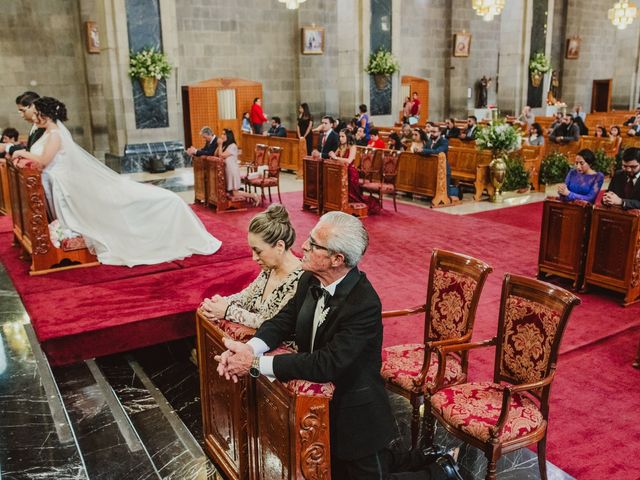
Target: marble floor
136,416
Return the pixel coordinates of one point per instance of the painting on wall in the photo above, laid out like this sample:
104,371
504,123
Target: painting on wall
573,48
93,37
461,44
312,40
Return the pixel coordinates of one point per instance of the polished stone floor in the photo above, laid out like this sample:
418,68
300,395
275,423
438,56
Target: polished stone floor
136,416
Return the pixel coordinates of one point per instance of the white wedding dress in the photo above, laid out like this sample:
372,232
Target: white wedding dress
122,221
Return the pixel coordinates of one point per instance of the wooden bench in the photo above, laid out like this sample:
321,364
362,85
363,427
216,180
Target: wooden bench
293,150
470,165
31,226
532,157
608,119
610,148
424,175
335,190
216,187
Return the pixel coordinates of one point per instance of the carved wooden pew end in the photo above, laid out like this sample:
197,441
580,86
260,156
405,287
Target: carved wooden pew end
216,187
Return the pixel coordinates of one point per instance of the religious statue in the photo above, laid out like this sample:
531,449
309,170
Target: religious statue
481,91
554,89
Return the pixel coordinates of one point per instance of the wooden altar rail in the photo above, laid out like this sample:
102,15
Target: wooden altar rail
5,197
257,429
31,226
293,150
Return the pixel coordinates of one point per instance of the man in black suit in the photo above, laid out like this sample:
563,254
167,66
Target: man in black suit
624,189
328,141
336,317
469,133
451,131
276,130
210,144
24,102
566,132
631,120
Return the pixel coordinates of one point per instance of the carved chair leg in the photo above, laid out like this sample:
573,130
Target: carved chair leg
491,470
415,421
279,197
394,202
542,457
428,425
270,199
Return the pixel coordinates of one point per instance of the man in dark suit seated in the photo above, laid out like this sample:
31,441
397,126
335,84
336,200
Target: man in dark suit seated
566,132
9,139
210,144
624,189
328,139
436,144
631,120
276,130
451,131
469,133
336,317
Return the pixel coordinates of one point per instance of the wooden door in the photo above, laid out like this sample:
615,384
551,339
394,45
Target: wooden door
601,96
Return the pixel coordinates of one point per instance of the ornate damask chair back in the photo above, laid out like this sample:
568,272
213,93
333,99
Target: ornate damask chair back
259,154
273,161
367,165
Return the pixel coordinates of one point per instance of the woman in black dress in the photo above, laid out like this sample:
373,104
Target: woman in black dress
305,125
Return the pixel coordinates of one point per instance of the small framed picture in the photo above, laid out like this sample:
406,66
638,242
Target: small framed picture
93,37
573,48
312,40
461,44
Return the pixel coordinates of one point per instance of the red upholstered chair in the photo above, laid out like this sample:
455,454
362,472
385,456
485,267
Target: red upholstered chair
387,183
453,291
271,176
366,168
259,154
512,411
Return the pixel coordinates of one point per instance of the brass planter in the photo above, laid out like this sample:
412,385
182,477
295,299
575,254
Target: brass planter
536,79
498,172
149,85
381,81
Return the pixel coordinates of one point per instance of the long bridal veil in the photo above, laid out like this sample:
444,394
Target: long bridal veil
124,222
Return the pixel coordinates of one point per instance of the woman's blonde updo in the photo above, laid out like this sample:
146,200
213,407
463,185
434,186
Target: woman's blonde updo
272,225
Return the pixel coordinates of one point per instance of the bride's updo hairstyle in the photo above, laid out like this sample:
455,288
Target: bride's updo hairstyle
272,225
51,108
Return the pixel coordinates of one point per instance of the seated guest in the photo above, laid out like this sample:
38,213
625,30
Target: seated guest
600,132
436,144
228,150
419,142
276,130
328,140
394,142
210,144
346,152
526,118
406,135
374,139
631,120
9,138
582,182
566,132
579,113
270,237
246,124
556,123
614,132
581,125
624,189
535,138
469,133
361,138
634,129
451,131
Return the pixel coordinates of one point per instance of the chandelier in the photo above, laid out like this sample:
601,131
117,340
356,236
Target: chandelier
487,9
292,4
622,14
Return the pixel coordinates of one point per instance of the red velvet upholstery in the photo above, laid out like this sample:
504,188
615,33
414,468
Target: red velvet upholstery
451,301
401,365
474,408
235,330
75,243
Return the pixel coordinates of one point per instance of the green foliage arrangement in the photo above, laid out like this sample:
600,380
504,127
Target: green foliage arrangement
603,163
517,176
149,62
498,136
382,62
539,63
554,168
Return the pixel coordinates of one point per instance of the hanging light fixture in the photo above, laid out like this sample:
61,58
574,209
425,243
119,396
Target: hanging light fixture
292,4
622,14
488,9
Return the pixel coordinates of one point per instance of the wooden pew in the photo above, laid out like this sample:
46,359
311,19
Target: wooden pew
605,144
607,119
630,142
31,227
532,158
312,183
5,197
199,179
335,190
258,429
613,256
564,239
424,175
471,166
216,187
293,150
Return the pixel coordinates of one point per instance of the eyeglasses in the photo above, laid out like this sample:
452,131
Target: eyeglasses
316,246
630,167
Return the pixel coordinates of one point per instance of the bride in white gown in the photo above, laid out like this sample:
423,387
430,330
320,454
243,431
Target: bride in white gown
122,221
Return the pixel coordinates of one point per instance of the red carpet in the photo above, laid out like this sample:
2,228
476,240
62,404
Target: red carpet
594,428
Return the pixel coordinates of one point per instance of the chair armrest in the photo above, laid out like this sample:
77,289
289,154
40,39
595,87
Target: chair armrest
429,347
442,351
405,311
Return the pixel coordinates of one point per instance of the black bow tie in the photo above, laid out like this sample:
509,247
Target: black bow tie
317,291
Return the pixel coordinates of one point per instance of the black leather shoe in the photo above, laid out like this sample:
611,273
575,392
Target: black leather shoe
449,467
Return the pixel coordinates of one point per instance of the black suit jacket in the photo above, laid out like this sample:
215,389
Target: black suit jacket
617,186
470,133
452,132
279,131
330,144
347,352
209,149
33,138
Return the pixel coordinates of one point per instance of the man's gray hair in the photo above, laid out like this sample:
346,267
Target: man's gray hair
206,131
348,236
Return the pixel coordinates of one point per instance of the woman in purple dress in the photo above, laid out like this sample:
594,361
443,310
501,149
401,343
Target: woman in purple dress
582,182
346,152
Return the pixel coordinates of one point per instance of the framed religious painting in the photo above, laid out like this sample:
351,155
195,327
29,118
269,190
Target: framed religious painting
93,37
461,44
573,48
312,40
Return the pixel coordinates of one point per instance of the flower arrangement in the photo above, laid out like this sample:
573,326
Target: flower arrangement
382,62
499,137
539,63
149,63
58,233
